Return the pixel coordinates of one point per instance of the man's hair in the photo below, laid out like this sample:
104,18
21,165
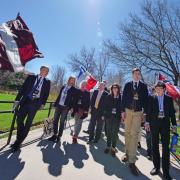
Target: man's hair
160,84
44,67
136,69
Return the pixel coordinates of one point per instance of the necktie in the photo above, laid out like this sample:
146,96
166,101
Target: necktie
34,88
135,85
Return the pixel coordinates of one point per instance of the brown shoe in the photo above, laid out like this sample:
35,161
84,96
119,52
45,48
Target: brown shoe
124,158
134,170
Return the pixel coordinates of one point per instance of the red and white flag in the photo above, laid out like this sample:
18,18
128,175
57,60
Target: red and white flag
85,75
17,45
172,90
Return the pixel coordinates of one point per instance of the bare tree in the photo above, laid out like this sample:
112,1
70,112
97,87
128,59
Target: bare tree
58,75
86,59
151,42
102,64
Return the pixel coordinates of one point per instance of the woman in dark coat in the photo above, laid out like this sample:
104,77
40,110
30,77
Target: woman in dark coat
112,114
81,108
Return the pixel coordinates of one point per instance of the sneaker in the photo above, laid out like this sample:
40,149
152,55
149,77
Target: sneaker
134,170
53,138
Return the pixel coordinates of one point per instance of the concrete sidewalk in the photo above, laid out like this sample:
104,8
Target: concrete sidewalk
40,159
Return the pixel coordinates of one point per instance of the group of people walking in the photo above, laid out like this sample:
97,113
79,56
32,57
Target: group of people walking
108,109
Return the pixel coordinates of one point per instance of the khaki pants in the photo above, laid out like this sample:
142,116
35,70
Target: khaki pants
132,130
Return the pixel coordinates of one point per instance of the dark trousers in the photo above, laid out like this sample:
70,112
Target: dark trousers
97,122
161,127
112,125
27,109
60,113
149,142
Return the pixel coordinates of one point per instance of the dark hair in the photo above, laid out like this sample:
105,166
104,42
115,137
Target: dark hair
117,86
160,84
44,67
136,69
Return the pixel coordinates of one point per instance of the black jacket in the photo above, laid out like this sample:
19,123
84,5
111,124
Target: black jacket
153,109
110,103
84,97
128,94
70,98
101,102
27,87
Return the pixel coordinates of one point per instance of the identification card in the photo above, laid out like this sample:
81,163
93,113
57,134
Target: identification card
79,102
114,111
136,97
161,114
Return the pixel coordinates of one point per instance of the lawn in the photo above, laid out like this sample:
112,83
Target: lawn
6,119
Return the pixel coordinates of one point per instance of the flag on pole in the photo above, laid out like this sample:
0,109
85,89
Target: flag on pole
17,45
172,90
85,75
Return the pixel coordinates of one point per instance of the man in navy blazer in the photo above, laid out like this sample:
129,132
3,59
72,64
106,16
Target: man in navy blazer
160,112
31,97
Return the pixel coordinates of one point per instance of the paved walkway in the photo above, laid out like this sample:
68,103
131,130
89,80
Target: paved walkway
40,159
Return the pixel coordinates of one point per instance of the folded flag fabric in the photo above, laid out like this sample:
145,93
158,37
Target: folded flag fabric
172,90
17,45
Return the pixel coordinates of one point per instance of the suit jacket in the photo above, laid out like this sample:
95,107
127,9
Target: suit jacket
153,109
110,103
70,98
127,97
101,102
84,96
27,87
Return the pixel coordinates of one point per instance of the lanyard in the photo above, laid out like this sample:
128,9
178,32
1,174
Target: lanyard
161,103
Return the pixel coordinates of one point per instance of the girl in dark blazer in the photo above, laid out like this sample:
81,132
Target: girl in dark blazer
112,114
80,110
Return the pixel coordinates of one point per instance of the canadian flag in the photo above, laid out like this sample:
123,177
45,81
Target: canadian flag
17,45
172,90
85,75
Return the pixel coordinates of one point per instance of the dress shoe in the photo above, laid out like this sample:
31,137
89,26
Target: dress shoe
139,145
134,170
167,177
53,138
106,151
125,158
155,171
87,132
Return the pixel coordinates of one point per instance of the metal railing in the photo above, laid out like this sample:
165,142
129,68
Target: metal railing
15,115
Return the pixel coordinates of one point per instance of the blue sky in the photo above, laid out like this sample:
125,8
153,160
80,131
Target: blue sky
62,27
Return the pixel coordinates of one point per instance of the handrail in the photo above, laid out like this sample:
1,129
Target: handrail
15,113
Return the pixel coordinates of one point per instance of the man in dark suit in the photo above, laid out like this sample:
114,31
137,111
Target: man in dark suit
97,104
159,112
31,97
65,101
134,100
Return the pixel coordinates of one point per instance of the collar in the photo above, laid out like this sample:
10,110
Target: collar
39,76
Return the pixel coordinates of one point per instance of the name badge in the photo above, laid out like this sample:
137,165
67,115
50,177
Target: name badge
79,102
114,111
35,94
161,114
136,97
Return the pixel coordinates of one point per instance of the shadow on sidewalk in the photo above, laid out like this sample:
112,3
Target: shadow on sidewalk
10,165
112,166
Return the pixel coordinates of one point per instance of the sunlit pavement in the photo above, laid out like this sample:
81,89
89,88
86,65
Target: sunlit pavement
40,159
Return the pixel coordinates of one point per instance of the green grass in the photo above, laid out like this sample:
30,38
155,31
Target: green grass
6,119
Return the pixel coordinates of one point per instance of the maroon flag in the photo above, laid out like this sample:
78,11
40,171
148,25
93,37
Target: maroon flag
17,45
172,90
